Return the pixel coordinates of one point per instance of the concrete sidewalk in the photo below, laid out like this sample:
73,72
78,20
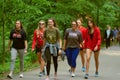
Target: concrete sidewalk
109,68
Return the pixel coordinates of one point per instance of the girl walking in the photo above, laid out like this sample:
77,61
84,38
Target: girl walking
92,44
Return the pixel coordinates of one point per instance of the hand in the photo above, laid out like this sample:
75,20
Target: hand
104,39
96,48
81,46
33,50
25,51
60,52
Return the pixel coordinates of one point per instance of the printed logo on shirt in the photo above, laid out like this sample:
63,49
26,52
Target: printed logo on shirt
17,35
72,34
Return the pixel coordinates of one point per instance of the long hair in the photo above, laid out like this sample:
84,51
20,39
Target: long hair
89,28
81,19
21,25
39,23
55,24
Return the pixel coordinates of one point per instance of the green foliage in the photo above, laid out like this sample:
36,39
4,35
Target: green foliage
63,11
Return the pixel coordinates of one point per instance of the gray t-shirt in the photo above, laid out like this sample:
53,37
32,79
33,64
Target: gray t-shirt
73,38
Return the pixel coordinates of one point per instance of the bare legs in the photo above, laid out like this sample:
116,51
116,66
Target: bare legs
41,61
88,57
96,58
82,55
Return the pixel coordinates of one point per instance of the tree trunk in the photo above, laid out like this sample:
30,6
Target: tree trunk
3,36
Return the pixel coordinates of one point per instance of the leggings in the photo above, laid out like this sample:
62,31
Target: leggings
14,53
72,54
48,60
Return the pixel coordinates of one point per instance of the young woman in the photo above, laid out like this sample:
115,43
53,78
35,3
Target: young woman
72,41
19,46
82,50
52,47
38,44
92,44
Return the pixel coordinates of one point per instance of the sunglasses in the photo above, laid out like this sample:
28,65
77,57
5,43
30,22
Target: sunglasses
74,24
41,23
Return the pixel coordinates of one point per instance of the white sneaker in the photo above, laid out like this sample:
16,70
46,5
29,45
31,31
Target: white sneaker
45,71
73,74
21,75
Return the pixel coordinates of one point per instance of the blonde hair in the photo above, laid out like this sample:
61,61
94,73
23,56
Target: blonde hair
39,23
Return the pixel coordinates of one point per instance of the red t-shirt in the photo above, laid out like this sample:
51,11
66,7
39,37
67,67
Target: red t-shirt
83,31
37,38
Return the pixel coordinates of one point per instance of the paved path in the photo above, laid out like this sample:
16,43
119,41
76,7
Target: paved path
109,68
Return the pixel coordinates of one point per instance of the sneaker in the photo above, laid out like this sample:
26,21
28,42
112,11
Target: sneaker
86,76
21,75
55,75
73,74
40,74
44,71
47,78
8,76
83,69
96,74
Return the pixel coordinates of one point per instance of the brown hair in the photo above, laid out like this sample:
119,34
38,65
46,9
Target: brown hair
92,21
80,19
20,24
75,22
55,24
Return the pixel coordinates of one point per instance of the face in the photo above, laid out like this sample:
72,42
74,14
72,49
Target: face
50,23
41,24
18,25
108,27
79,22
74,25
90,24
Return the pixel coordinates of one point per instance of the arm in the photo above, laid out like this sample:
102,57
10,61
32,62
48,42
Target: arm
34,41
81,40
26,46
86,40
60,42
65,40
59,39
65,43
99,37
9,44
98,40
25,41
10,40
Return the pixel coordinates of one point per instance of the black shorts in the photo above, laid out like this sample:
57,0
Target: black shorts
38,49
81,49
